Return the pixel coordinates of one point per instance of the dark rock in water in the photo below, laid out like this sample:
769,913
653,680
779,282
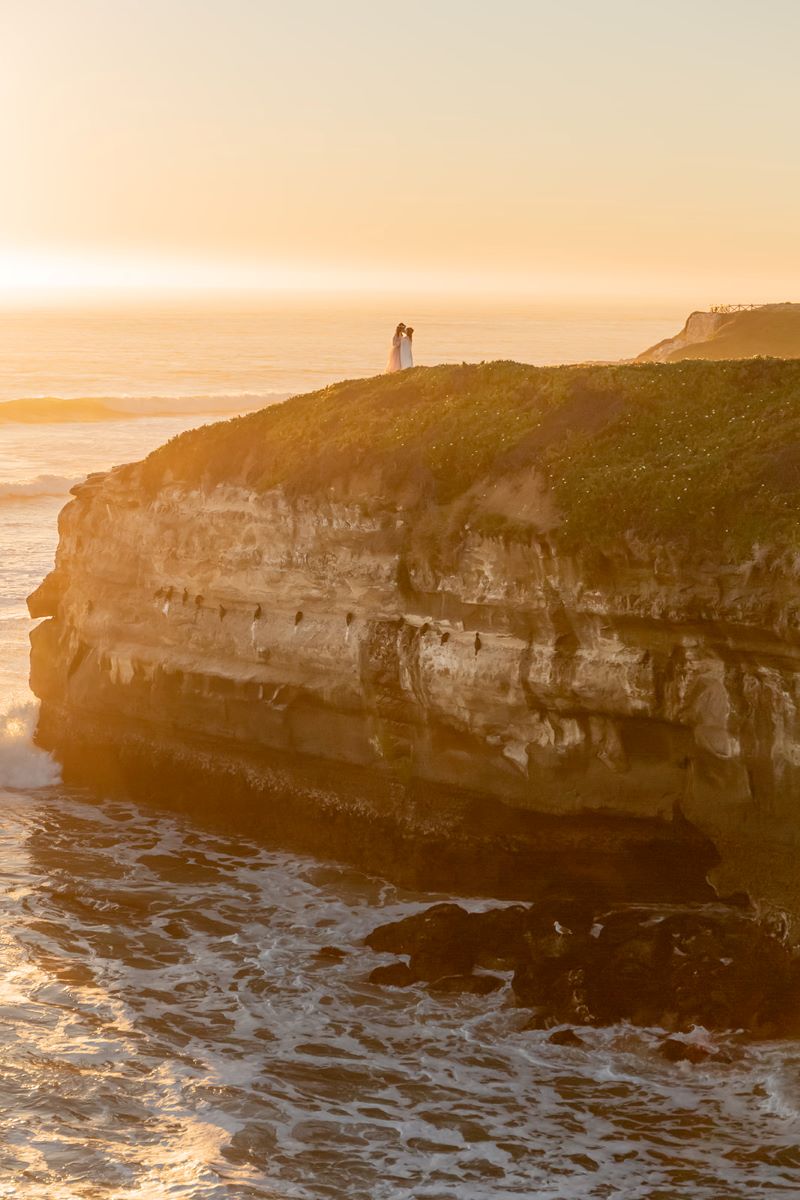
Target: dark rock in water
565,1037
626,981
718,969
572,915
499,935
710,965
393,975
474,985
553,972
331,954
438,940
674,1050
437,959
533,982
407,935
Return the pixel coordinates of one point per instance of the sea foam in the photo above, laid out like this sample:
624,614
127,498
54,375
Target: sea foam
22,764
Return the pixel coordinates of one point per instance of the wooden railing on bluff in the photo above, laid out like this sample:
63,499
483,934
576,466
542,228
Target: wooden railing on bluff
729,308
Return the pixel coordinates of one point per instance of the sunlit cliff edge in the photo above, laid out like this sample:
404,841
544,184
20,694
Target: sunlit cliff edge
494,627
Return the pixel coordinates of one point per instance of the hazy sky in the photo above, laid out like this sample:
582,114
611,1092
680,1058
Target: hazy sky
557,147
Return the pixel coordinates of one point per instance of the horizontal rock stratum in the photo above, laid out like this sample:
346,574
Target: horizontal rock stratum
501,628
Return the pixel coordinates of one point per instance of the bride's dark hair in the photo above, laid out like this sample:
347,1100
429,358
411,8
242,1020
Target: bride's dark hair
409,331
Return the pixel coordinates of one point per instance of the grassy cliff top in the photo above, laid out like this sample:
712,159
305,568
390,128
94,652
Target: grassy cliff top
698,452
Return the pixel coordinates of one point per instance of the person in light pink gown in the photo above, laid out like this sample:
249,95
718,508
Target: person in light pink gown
395,363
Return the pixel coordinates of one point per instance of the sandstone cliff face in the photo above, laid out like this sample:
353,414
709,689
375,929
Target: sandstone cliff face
699,327
507,717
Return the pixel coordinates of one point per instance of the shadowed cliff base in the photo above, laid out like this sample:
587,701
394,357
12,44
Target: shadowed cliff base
421,837
498,623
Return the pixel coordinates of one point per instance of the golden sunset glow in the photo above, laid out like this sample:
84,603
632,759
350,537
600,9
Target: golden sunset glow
572,150
399,576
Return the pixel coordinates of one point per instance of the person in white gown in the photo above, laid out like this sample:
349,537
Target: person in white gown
395,360
406,355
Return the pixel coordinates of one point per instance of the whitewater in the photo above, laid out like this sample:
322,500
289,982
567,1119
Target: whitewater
186,1013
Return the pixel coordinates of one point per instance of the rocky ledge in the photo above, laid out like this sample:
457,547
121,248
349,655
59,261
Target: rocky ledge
677,969
488,628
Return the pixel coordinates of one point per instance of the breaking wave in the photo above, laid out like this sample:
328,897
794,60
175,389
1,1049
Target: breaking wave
22,764
202,1005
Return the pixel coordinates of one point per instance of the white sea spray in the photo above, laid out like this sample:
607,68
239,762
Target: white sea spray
23,764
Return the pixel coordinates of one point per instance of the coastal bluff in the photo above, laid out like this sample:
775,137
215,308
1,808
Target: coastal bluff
733,331
499,628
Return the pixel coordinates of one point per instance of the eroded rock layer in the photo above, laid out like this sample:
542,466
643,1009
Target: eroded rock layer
500,718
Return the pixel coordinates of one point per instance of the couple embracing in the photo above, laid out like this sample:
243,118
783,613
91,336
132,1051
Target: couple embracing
400,355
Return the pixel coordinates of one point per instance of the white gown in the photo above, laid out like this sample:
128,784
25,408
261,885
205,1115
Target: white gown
406,354
394,363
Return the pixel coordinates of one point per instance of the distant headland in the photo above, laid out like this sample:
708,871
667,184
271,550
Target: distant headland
733,331
53,410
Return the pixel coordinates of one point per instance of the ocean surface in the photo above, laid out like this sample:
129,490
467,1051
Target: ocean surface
291,346
168,1030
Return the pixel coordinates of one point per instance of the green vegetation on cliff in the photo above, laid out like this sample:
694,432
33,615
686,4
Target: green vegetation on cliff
697,452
